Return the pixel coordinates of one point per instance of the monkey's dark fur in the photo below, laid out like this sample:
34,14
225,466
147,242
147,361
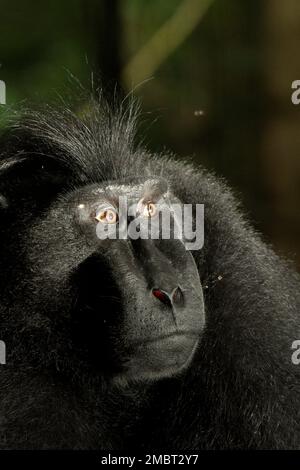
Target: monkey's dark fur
241,389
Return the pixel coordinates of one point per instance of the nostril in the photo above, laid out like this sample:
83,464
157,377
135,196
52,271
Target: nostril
177,296
162,296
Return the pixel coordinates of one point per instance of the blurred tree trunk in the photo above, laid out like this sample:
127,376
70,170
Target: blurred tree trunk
281,143
104,32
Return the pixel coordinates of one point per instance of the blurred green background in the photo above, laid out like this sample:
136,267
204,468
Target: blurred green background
214,78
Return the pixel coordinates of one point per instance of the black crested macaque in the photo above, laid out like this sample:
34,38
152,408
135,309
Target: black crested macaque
134,342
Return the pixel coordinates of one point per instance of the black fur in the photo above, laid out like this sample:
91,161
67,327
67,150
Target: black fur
241,390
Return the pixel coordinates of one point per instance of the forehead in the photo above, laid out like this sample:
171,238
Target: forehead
150,189
133,190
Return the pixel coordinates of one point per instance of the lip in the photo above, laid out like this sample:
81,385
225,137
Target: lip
181,333
162,356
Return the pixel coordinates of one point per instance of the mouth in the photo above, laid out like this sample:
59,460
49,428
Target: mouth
179,335
163,356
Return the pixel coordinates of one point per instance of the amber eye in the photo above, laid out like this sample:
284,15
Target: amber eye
107,216
149,209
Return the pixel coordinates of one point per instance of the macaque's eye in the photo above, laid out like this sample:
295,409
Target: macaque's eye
107,216
148,210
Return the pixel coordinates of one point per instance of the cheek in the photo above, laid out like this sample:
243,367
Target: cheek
54,249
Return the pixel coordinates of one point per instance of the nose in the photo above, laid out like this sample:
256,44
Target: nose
171,299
